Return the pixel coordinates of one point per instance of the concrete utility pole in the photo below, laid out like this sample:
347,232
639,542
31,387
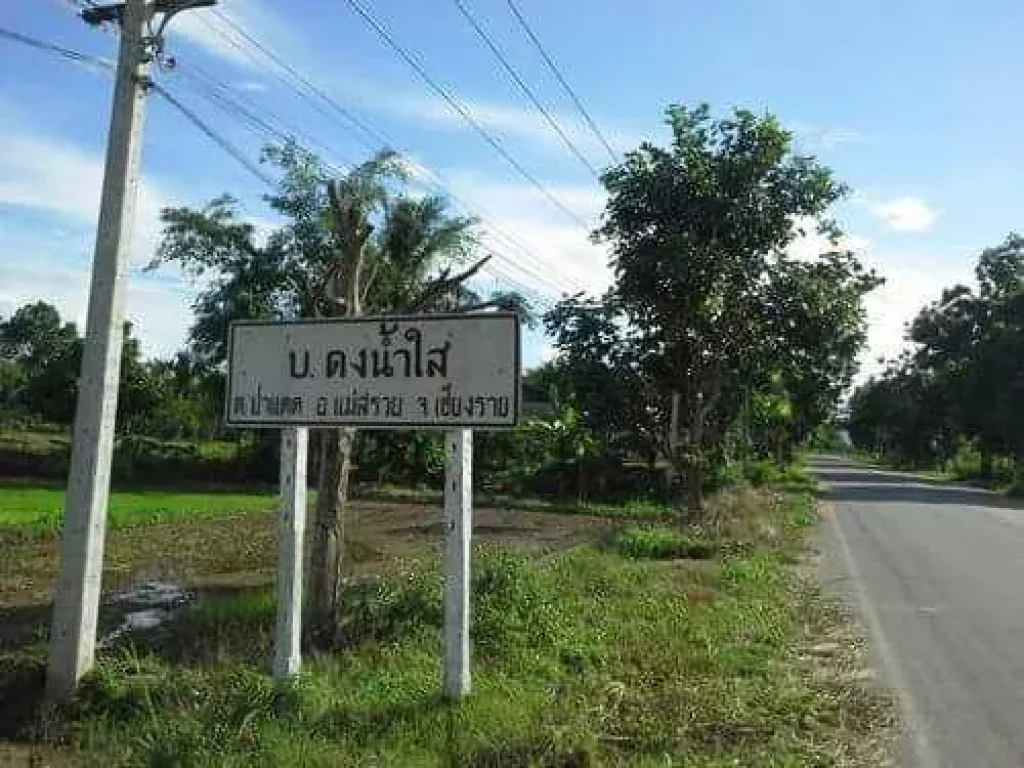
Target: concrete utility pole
76,603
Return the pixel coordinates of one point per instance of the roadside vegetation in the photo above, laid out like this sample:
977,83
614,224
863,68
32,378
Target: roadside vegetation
650,651
40,509
640,596
951,404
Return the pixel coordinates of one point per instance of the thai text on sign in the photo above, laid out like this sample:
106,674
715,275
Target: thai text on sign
439,371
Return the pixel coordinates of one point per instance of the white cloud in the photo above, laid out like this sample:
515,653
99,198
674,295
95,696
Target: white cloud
818,137
501,118
505,119
585,200
911,282
539,245
58,177
810,245
206,28
906,214
160,311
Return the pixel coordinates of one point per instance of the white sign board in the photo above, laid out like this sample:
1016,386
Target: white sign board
423,371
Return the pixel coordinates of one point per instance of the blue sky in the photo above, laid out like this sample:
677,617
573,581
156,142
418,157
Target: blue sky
911,103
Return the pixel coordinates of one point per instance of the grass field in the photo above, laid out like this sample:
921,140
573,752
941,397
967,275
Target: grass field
41,508
607,649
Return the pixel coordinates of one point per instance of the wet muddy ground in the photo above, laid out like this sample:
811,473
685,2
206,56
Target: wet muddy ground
151,570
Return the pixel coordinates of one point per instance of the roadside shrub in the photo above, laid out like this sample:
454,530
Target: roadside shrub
966,463
661,543
764,472
390,610
516,604
1017,488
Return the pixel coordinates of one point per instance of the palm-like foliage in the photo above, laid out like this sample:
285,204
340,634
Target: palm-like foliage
287,273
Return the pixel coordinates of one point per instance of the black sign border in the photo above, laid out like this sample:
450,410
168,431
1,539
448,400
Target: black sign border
490,426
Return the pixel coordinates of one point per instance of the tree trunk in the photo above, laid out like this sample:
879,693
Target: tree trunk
694,487
343,284
673,443
327,555
987,464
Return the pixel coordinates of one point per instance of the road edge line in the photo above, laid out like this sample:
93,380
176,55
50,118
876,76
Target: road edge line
923,751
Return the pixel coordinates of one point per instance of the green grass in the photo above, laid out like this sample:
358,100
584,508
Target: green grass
586,658
661,543
41,508
633,509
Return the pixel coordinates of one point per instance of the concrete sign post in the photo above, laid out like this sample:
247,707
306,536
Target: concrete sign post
458,524
290,531
456,372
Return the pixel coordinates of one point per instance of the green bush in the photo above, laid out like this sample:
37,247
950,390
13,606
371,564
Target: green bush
966,463
763,472
1017,488
969,463
391,610
661,543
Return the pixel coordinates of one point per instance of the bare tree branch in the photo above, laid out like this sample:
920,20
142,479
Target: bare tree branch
505,304
443,285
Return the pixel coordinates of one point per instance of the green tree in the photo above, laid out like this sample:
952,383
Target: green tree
191,398
694,229
49,353
964,380
346,246
901,415
35,336
13,380
814,328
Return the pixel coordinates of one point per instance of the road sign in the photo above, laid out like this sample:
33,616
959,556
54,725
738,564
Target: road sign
426,371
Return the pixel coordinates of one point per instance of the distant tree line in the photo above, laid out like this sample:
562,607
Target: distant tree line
713,349
956,398
707,313
40,358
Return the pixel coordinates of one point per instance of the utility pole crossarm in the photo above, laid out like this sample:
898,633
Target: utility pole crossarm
102,14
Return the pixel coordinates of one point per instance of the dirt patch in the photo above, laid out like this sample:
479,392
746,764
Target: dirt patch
240,550
222,554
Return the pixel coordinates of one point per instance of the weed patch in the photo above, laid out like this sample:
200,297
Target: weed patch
593,655
661,543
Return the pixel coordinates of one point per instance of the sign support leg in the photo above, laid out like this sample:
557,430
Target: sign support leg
458,516
290,531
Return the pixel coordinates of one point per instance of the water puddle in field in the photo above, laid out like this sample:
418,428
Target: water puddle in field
146,606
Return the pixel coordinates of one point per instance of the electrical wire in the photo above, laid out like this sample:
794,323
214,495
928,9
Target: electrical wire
524,87
561,79
253,120
266,129
308,85
318,97
67,53
233,103
219,140
311,88
460,109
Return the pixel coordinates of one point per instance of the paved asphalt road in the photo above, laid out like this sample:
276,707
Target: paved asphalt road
937,574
